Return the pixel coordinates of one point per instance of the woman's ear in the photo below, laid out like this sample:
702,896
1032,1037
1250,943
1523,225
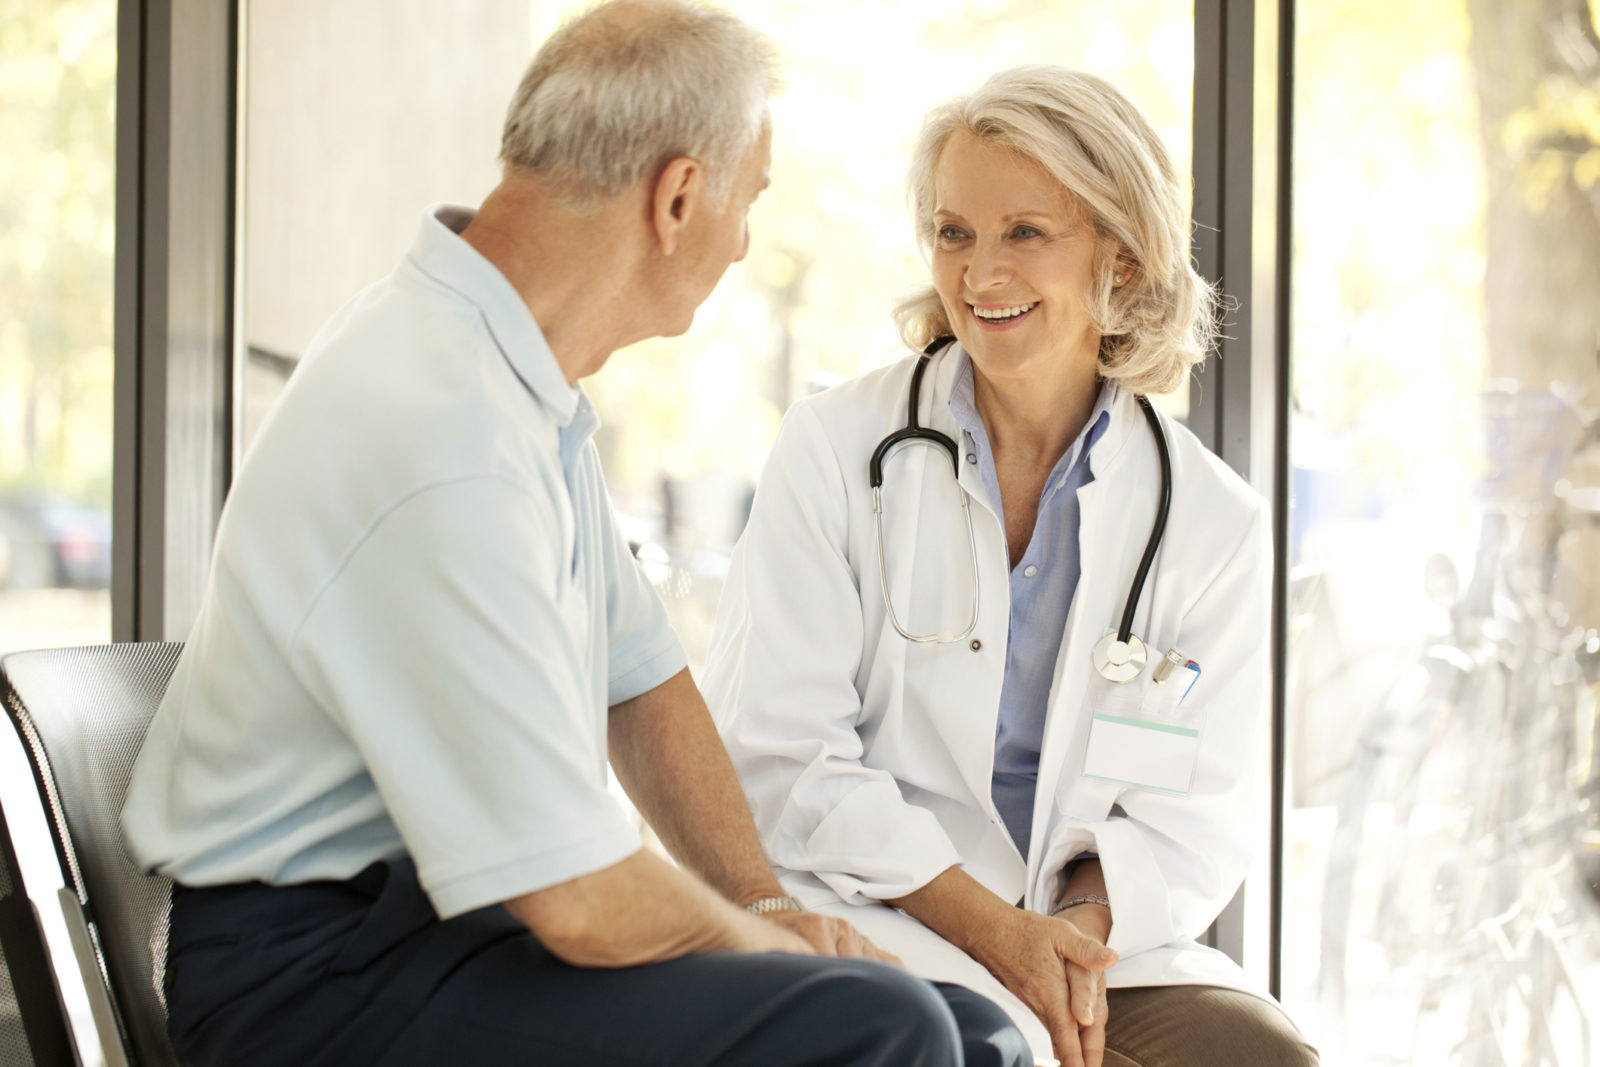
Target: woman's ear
1124,268
678,192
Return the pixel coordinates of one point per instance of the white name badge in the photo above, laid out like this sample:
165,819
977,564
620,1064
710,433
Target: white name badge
1149,755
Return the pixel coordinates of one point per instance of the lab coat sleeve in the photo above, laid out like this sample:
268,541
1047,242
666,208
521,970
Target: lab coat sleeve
1172,863
781,682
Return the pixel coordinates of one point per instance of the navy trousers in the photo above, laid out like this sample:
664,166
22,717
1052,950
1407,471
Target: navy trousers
364,972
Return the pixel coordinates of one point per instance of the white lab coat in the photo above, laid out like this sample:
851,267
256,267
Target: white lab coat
867,759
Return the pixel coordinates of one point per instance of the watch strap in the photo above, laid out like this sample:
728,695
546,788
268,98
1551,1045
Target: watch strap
768,905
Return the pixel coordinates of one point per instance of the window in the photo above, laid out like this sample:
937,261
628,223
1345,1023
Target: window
1441,845
57,118
57,185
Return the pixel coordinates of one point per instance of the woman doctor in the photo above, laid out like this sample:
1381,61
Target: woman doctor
926,737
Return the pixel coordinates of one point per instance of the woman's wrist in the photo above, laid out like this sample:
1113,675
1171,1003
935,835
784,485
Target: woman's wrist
1081,898
956,907
1091,914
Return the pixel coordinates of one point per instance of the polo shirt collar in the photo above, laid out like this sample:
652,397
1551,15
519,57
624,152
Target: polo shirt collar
440,253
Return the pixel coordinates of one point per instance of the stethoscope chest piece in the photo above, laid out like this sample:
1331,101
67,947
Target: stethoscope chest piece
1119,661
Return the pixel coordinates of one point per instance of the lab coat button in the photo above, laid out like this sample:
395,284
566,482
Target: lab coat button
976,644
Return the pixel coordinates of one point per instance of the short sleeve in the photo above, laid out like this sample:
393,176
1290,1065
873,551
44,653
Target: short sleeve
642,648
451,647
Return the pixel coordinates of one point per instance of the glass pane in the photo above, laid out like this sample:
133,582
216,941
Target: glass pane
57,182
1443,840
57,188
339,127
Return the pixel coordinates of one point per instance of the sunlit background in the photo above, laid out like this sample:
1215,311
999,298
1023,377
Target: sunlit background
1445,321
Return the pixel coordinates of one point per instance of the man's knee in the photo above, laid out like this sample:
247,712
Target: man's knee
873,1015
988,1036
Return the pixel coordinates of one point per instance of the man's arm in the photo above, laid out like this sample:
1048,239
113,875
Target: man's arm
667,755
642,910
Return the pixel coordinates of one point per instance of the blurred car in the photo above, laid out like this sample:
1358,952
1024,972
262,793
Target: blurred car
47,540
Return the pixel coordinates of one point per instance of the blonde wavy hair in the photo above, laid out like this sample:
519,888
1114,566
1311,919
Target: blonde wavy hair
1162,321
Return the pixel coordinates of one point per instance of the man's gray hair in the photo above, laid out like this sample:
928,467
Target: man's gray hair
621,89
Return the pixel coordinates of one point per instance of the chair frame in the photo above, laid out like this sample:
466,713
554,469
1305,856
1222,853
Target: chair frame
43,1015
117,1046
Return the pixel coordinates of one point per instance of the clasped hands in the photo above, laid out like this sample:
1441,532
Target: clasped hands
1056,966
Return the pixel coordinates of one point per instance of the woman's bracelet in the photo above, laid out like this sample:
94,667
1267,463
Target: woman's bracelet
1081,898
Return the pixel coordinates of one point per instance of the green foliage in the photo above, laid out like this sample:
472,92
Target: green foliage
1554,139
57,196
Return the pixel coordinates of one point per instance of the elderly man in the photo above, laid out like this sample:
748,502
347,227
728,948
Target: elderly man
379,776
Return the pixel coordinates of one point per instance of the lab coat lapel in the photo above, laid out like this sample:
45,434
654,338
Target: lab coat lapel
964,706
1107,525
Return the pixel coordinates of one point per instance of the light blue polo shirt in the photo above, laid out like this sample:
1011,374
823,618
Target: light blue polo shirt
418,612
1043,584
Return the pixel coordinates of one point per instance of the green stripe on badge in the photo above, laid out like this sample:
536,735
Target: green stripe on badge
1183,731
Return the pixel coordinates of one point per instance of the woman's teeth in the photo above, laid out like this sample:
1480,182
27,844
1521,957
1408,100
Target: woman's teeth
1002,314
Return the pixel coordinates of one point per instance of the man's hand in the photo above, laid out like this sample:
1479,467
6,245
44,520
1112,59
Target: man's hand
1058,971
831,937
759,935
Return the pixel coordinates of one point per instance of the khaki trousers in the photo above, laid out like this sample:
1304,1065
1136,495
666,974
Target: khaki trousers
1200,1026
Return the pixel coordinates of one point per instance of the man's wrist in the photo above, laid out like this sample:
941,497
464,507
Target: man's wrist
768,905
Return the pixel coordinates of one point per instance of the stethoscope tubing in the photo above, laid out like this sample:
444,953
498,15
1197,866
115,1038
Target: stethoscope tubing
914,431
1160,526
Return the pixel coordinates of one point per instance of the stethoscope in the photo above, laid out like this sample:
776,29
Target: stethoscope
1119,656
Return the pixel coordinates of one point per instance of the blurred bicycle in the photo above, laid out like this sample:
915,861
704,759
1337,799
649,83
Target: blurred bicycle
1472,802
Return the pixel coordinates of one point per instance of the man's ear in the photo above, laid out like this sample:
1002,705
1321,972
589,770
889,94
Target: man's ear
679,189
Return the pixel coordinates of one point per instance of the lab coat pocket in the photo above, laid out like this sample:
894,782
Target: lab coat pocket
1085,798
1143,742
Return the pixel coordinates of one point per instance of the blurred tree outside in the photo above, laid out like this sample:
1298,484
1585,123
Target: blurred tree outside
1538,66
57,190
1538,86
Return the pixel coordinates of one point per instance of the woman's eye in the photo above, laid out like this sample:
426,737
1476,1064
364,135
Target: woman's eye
950,233
1026,232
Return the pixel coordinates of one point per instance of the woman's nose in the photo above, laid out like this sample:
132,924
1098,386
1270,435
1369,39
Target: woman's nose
989,266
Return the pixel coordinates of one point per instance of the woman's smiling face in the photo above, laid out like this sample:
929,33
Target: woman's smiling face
1013,258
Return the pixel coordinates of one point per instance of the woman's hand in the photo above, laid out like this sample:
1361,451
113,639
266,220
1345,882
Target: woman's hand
1087,987
1057,968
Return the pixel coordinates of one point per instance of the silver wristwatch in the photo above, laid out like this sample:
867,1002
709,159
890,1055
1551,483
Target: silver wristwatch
768,905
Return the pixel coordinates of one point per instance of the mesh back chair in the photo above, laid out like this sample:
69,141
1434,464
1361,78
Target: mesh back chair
82,715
